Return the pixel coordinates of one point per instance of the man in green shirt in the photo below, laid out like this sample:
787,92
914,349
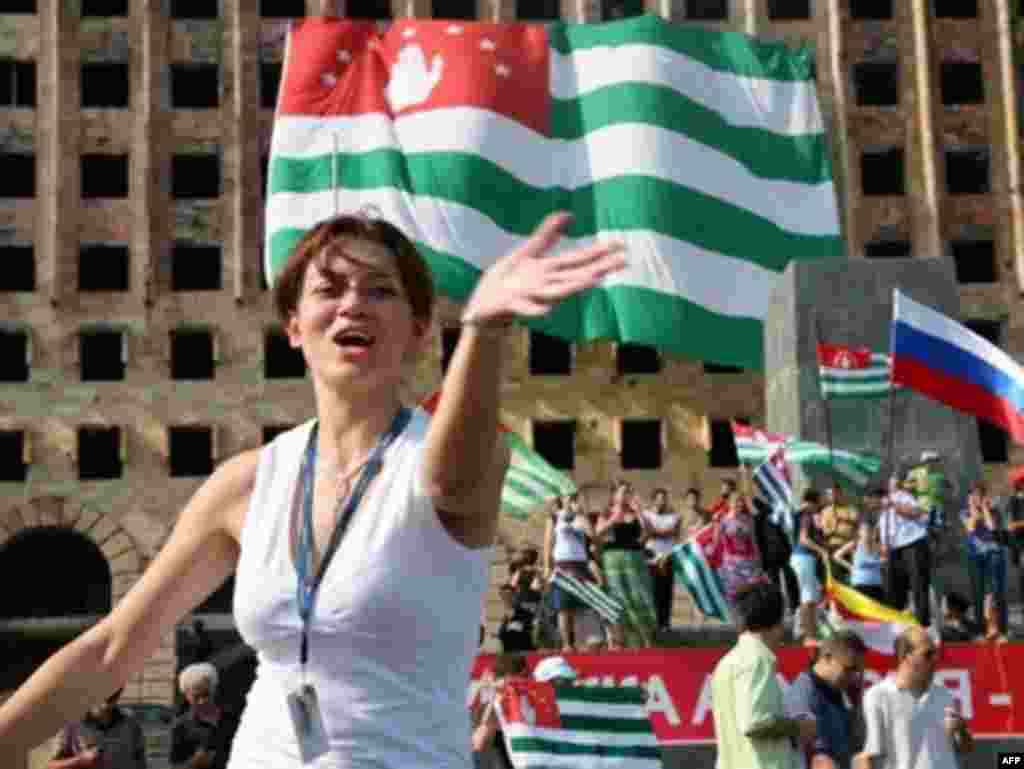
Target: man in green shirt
929,484
751,727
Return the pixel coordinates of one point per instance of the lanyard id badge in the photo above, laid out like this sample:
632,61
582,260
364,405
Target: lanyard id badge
303,703
308,723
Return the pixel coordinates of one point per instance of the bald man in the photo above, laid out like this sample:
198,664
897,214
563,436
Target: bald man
912,722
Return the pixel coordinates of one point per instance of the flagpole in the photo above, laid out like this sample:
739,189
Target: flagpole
891,448
824,400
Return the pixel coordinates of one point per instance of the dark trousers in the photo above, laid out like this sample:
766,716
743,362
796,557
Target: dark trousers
990,572
910,572
663,582
783,573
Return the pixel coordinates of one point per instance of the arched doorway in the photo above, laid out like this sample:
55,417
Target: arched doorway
57,582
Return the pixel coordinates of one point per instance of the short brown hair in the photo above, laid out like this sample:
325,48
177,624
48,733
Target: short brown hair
843,641
319,242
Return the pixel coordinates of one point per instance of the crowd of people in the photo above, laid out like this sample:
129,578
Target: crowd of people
621,549
882,543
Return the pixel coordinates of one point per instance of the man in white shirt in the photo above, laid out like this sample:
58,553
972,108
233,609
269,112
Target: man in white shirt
903,530
912,722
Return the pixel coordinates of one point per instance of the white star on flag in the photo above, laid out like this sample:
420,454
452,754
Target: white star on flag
408,32
328,79
487,45
344,56
501,70
454,29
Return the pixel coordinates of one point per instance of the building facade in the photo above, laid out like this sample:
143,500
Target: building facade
138,345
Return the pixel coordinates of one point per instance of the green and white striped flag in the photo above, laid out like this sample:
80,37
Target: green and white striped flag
755,446
577,727
692,570
610,608
531,481
702,151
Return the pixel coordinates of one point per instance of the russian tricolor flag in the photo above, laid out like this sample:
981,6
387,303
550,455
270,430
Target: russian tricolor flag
946,361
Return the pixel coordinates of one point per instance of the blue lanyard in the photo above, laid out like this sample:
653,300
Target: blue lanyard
309,584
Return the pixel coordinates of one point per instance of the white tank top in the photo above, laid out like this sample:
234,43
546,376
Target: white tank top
570,542
395,625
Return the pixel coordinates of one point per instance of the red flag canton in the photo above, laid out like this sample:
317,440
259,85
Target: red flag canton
347,68
710,545
842,357
326,67
755,436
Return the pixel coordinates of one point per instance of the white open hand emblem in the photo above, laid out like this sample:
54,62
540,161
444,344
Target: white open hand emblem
411,82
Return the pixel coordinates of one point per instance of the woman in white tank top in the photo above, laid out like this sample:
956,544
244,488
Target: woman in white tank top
390,625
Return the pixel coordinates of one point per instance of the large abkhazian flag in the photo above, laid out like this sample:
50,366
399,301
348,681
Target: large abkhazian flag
702,151
577,727
531,480
754,446
847,372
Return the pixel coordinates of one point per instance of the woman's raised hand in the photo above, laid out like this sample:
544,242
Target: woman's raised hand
530,282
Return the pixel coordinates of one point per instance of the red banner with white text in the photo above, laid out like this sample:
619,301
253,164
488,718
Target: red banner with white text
678,683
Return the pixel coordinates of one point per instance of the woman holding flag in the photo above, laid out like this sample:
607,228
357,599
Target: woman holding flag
734,537
408,504
570,550
623,532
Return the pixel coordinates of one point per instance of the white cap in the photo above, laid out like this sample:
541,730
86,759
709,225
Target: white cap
929,456
552,668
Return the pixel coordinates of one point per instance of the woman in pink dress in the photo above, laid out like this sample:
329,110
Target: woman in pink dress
734,539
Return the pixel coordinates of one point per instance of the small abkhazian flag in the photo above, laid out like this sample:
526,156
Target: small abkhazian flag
577,727
610,609
465,135
847,372
773,481
531,481
692,571
754,446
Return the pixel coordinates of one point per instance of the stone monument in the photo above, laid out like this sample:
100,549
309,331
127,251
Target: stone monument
849,302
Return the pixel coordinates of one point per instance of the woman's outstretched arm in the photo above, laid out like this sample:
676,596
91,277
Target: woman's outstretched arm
200,554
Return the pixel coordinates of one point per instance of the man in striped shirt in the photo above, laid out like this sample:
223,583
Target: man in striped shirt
903,527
